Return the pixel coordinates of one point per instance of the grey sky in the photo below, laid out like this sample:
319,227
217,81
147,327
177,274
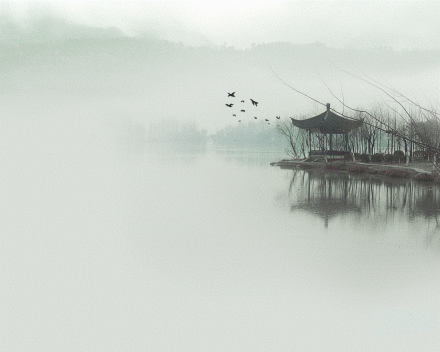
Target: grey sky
358,24
198,81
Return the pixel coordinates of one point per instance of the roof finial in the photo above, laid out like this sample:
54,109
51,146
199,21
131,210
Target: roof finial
328,106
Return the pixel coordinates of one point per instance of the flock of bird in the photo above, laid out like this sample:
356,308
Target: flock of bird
254,103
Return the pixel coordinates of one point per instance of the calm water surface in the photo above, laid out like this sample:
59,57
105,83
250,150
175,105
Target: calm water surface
189,248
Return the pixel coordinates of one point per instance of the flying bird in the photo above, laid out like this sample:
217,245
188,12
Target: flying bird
231,94
234,115
242,101
229,105
266,120
255,117
239,120
278,117
242,111
254,102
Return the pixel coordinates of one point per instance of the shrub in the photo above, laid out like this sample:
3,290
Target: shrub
399,155
365,158
377,158
347,157
388,158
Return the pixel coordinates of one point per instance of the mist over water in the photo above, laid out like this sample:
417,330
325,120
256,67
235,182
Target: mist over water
196,247
108,242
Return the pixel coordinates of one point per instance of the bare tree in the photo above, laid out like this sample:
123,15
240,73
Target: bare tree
296,138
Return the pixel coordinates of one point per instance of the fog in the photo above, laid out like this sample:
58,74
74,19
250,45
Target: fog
112,243
179,61
147,80
361,24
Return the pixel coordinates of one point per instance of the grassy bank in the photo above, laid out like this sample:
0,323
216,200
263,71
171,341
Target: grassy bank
419,172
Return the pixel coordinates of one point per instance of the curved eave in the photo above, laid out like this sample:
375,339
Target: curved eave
328,122
311,123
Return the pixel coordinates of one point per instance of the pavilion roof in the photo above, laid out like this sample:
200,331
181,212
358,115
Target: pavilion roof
328,122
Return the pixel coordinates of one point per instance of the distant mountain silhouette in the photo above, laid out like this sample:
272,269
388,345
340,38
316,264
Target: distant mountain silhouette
147,79
51,29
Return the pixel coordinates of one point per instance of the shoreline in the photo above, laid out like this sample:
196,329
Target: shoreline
419,171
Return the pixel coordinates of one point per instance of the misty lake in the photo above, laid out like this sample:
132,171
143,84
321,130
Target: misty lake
110,243
197,248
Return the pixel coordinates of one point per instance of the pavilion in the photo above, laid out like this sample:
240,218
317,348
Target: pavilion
328,123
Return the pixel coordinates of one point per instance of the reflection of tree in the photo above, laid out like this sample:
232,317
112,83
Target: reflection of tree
427,204
331,194
433,234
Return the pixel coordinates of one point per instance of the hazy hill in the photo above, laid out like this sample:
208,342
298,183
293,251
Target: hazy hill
65,68
49,29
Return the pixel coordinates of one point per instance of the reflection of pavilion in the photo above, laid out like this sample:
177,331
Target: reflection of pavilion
329,195
325,198
326,209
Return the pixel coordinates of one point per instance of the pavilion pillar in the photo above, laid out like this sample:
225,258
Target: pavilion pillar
310,143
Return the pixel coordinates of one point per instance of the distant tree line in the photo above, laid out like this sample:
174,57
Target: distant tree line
173,130
253,132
